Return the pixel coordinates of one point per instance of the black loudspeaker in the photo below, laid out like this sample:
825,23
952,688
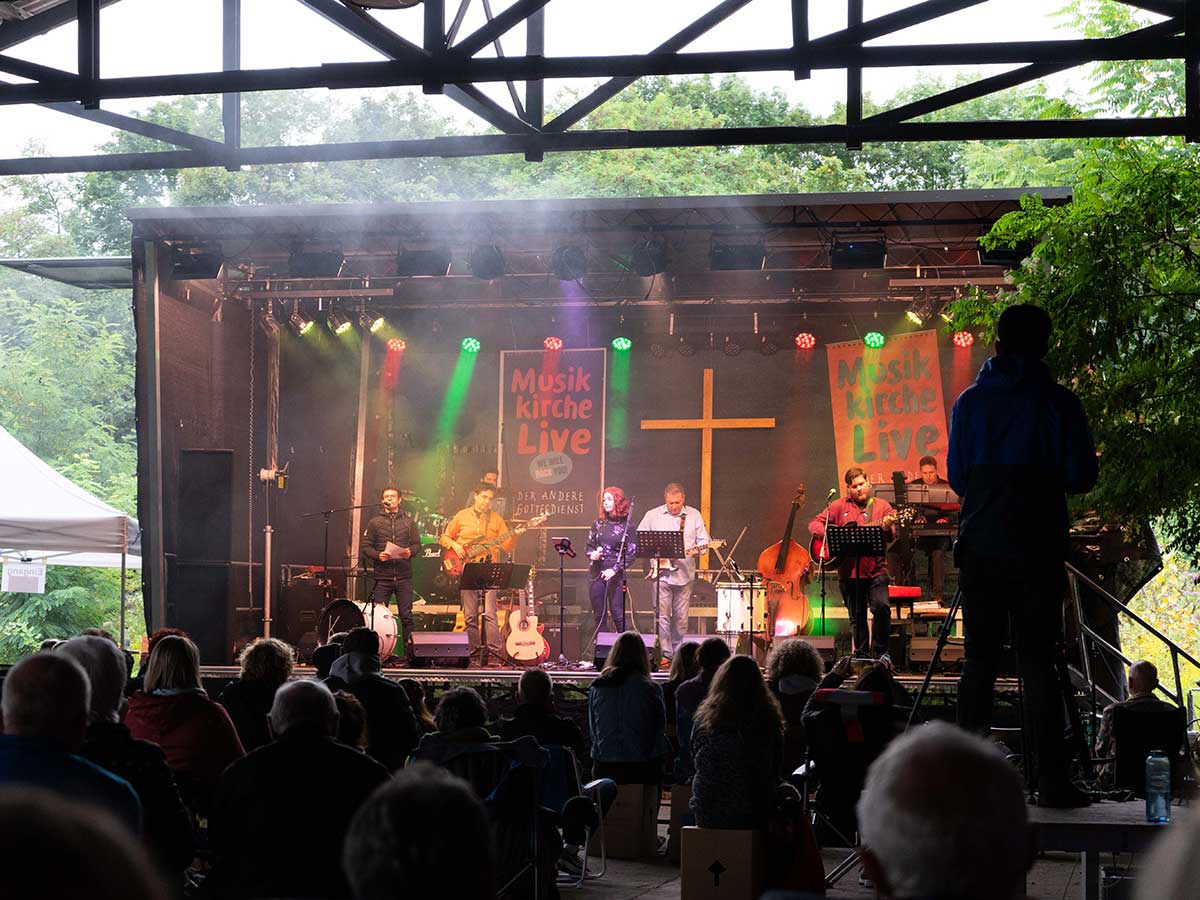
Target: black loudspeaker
574,642
606,639
300,605
205,505
199,602
441,648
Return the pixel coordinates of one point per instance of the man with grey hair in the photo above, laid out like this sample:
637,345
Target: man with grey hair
259,850
108,743
943,816
45,714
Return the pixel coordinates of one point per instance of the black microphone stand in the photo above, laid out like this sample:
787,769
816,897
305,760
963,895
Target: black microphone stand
825,553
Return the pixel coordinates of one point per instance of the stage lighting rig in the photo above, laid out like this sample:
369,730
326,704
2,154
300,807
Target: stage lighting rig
569,262
486,262
648,258
686,347
874,340
553,343
768,346
658,350
326,263
196,261
726,257
471,345
396,345
963,339
919,312
338,322
731,347
621,343
852,252
806,340
300,323
372,320
429,263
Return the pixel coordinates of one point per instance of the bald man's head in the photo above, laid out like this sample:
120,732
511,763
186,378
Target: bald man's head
304,703
47,695
1143,677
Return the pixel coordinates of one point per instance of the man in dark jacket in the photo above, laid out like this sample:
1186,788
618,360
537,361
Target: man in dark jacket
108,744
393,573
391,725
270,836
1019,443
535,716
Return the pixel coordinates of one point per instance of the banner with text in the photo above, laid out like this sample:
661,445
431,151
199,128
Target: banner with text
888,410
552,433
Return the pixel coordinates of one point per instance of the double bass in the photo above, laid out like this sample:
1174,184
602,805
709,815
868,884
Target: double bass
786,569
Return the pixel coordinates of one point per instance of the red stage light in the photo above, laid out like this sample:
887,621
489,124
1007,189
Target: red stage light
963,339
553,343
396,345
806,341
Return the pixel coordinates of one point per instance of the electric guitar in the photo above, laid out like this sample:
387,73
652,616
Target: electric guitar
663,566
525,644
480,548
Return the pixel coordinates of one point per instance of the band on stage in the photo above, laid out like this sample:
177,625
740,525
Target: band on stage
479,533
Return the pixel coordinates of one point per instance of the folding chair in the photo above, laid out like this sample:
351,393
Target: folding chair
579,807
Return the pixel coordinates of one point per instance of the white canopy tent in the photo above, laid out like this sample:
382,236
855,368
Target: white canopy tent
44,516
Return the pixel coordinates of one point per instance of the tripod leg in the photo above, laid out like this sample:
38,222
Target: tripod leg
943,637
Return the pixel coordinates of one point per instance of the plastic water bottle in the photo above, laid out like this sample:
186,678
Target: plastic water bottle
1158,787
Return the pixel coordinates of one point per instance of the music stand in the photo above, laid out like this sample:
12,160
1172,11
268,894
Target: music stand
857,541
660,545
490,576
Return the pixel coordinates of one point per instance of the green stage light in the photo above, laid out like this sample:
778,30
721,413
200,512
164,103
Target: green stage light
372,320
471,345
300,323
339,322
621,343
874,339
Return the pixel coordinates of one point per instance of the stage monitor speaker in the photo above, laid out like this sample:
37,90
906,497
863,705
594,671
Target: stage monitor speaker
199,602
441,648
825,644
205,505
921,651
300,605
606,639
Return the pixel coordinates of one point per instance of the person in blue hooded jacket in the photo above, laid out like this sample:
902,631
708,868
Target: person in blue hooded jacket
1019,443
627,717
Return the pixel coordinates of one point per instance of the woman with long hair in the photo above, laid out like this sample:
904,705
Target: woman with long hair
609,556
172,710
737,749
626,716
794,671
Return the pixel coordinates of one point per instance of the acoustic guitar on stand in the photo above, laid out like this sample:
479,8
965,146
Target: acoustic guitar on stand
481,548
663,566
525,643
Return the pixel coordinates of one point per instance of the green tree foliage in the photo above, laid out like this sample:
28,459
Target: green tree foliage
1119,270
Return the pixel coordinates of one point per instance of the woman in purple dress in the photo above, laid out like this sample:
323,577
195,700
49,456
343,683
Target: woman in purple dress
606,577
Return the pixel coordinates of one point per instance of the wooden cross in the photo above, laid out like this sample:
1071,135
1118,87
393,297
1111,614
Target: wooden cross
706,424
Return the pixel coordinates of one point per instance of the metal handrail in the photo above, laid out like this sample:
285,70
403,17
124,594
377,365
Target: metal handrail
1075,576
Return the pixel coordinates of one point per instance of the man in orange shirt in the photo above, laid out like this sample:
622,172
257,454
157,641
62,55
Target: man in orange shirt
477,523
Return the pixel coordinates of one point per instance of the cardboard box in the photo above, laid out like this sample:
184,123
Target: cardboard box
681,815
720,864
631,826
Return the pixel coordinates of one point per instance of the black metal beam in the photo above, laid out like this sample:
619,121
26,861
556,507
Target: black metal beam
434,42
231,61
19,31
437,71
374,35
985,86
512,87
800,38
214,149
535,91
1191,72
490,144
88,31
495,28
854,98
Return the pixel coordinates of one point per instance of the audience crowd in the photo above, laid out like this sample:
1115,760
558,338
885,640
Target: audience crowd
347,785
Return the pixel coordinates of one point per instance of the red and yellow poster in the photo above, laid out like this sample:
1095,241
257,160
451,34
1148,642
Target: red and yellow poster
552,433
888,409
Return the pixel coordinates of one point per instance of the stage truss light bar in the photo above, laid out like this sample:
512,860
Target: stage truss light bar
731,347
372,320
553,343
621,343
300,323
339,322
874,339
963,339
471,345
396,345
806,340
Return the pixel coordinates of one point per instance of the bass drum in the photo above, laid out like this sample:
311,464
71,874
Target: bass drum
342,615
430,579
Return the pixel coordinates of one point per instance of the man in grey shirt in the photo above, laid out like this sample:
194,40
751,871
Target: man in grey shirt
675,584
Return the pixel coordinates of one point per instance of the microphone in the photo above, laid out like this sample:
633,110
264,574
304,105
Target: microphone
832,495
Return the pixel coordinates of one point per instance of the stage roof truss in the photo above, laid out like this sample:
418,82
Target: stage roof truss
448,62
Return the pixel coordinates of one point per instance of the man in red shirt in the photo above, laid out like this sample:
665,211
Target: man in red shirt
862,580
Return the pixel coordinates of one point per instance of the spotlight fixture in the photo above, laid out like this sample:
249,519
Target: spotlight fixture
471,345
372,320
315,263
648,258
621,343
767,345
806,340
944,315
686,348
338,322
553,343
569,262
429,263
858,252
396,345
737,257
658,350
486,262
874,340
963,339
915,313
196,261
300,323
731,347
